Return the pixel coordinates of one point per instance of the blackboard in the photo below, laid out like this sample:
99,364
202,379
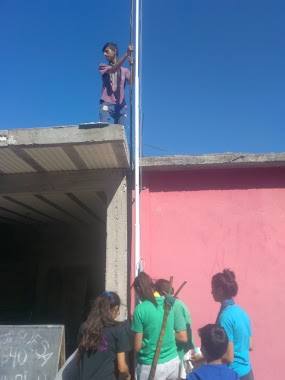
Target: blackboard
31,352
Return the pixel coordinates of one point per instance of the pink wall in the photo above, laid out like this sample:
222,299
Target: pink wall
196,223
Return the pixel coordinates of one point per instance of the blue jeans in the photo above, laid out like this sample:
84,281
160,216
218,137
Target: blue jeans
117,112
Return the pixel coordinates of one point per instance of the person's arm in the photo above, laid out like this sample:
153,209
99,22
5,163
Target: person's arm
228,356
227,323
180,325
122,366
181,336
114,68
138,337
197,358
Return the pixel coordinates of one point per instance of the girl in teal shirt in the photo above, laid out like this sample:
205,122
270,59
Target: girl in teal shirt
235,321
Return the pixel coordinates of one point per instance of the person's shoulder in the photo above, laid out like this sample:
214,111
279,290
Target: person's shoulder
180,308
121,328
127,324
234,311
179,303
142,306
116,329
241,310
147,303
148,307
207,371
199,373
124,325
230,312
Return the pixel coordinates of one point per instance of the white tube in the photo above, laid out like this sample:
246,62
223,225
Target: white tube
137,143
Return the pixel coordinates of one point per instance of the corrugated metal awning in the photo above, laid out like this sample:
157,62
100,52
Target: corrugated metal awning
36,162
63,148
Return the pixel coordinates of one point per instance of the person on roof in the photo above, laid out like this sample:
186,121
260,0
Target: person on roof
114,79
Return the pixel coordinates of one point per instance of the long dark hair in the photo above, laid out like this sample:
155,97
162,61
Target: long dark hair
227,282
143,285
98,318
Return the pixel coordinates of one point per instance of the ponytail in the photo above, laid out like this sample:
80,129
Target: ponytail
144,286
227,281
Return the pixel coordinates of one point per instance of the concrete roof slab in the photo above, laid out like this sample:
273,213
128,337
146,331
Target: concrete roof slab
63,148
213,161
55,175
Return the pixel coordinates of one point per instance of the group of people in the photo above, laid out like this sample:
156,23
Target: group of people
104,343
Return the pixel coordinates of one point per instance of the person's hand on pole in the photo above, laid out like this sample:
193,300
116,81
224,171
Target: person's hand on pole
130,50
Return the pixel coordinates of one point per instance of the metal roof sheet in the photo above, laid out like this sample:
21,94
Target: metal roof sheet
42,152
63,148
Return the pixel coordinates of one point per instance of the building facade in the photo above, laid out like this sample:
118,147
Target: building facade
200,215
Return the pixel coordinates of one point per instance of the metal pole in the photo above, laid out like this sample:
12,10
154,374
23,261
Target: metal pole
131,86
137,143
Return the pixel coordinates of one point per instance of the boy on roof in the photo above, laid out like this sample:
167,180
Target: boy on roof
114,79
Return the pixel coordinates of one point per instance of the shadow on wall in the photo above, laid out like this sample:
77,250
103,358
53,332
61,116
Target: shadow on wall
214,179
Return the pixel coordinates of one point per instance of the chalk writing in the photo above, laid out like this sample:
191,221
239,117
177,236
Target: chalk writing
23,376
29,352
17,355
19,376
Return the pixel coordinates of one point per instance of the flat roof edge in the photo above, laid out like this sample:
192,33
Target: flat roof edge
213,161
62,135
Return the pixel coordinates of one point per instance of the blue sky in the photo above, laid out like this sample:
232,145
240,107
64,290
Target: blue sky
213,71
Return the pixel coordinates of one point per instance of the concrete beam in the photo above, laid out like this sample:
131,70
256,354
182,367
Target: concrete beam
67,137
213,161
60,182
117,242
62,135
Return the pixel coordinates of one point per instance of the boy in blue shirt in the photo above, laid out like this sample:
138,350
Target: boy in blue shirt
214,343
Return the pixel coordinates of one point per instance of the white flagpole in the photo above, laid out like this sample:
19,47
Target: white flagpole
137,142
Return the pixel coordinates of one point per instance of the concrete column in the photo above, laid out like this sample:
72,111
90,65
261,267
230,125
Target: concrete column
117,243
